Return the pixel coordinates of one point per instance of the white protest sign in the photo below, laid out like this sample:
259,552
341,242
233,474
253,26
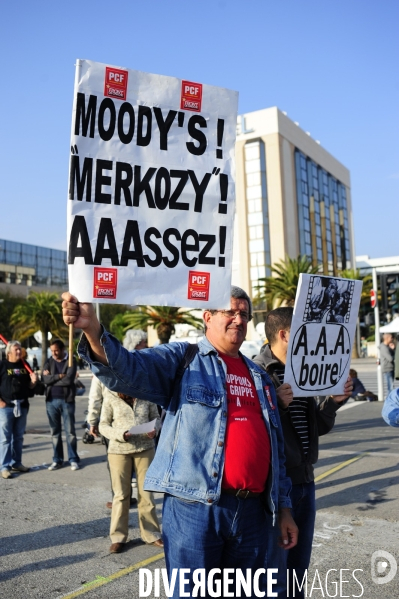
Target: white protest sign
322,335
151,189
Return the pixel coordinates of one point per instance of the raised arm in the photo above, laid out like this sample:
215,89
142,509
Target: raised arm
148,374
83,316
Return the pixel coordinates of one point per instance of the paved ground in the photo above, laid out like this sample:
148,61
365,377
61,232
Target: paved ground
54,525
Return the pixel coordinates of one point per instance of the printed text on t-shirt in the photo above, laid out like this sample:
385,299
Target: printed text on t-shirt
239,385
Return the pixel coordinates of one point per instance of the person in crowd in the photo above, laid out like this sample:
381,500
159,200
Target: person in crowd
303,421
80,387
220,459
390,409
59,379
127,451
35,364
16,386
359,392
97,393
134,339
363,347
387,359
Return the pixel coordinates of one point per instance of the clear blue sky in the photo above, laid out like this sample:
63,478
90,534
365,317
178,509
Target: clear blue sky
332,65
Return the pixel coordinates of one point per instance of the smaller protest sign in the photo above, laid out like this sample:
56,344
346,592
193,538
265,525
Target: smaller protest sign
322,334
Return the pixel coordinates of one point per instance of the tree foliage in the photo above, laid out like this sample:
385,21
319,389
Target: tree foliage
39,312
282,285
354,273
108,312
117,325
162,318
7,307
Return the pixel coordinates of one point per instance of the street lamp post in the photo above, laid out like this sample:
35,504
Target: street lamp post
380,383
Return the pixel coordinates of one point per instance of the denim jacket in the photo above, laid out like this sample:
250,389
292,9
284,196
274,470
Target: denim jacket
189,459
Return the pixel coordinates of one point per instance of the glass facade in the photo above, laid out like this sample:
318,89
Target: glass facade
34,265
323,216
257,211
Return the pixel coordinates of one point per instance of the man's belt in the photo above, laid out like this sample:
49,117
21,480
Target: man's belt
240,493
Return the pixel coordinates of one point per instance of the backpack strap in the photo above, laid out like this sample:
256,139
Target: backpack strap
189,355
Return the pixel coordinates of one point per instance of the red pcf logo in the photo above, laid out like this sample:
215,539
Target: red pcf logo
115,85
191,96
198,285
105,283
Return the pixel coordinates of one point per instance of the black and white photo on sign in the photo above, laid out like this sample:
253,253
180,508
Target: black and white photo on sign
329,300
322,335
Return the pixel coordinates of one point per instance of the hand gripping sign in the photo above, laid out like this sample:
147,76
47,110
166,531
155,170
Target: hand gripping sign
322,335
151,189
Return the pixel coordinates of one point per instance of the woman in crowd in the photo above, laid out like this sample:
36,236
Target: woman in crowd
16,386
128,452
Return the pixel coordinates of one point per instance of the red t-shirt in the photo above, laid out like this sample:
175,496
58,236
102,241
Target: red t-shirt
247,445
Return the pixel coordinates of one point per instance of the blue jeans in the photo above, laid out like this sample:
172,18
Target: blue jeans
57,409
296,559
11,437
229,534
388,376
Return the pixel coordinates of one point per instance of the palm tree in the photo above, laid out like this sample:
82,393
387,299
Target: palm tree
40,311
281,288
354,273
117,326
162,318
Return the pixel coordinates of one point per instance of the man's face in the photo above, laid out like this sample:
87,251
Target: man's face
225,333
57,352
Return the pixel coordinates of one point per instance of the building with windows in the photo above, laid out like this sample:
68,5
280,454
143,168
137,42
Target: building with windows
292,197
25,267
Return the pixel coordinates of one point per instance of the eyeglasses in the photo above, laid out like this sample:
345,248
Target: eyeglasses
233,314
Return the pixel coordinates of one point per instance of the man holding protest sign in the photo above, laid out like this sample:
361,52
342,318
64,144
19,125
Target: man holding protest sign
150,221
220,459
303,421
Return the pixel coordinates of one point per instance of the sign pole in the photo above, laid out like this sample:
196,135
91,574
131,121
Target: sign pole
70,346
380,383
78,67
